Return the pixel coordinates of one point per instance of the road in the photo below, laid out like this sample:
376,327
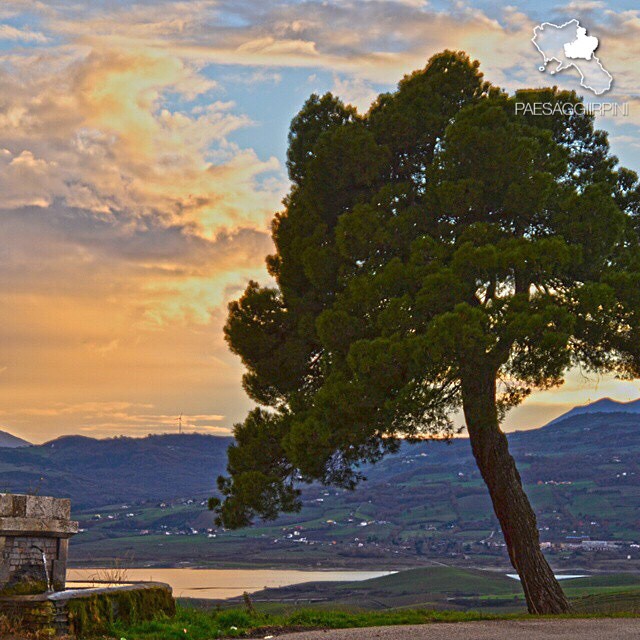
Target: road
567,629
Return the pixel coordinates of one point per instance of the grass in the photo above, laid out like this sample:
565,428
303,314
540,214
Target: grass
205,625
196,624
435,588
439,580
627,602
356,605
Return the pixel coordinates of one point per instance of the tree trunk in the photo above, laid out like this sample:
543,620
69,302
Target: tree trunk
510,503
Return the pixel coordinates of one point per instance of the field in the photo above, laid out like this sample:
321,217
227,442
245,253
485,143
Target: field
446,588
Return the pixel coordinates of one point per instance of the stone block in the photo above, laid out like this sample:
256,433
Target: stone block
23,506
19,506
58,572
31,526
39,507
37,527
6,505
47,508
62,508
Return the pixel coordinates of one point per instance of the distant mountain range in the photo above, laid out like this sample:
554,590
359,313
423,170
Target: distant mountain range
97,472
163,467
604,405
147,497
11,442
582,475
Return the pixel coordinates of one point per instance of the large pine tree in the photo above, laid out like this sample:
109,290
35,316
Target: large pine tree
438,253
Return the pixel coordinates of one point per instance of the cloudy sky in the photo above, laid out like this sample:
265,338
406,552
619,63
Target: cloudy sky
142,156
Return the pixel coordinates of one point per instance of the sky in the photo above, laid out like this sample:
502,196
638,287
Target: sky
142,149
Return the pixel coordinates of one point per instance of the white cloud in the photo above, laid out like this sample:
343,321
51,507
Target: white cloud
9,32
355,91
130,216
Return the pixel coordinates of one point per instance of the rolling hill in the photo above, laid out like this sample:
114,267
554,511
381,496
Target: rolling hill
427,501
10,441
449,589
604,405
98,472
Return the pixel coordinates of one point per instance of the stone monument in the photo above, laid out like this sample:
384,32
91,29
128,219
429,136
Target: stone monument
34,541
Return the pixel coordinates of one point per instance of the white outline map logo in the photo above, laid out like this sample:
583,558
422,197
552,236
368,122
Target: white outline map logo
569,45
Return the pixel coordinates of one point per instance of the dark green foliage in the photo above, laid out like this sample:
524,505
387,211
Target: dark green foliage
320,114
437,239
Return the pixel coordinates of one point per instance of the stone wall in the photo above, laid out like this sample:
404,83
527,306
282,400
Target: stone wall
22,560
88,612
29,527
33,616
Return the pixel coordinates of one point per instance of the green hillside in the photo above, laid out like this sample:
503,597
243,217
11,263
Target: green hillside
452,589
428,501
146,499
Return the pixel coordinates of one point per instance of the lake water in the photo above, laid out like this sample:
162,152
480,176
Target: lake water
223,583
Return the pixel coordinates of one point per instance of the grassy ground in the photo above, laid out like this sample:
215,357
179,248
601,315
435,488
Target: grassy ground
195,624
418,596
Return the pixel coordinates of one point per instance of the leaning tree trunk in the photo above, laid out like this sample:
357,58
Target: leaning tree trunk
510,503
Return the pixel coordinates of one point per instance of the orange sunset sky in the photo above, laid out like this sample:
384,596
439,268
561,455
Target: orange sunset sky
142,151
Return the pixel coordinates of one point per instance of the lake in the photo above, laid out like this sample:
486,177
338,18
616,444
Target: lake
223,583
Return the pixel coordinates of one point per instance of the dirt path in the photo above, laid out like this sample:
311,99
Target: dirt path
567,629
